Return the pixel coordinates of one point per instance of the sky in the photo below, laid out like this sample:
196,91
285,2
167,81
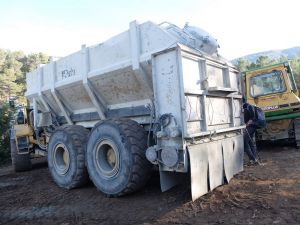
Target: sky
60,27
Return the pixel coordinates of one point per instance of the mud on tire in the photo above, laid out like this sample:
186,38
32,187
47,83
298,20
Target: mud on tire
116,159
66,156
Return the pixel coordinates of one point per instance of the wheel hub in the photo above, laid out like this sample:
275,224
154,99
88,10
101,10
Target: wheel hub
111,157
107,158
61,159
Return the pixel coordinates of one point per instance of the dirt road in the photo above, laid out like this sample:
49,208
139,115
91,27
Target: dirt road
268,194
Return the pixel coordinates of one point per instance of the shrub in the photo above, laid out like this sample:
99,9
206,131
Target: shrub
5,115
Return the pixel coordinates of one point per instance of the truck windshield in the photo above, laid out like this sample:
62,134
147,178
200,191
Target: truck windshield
267,83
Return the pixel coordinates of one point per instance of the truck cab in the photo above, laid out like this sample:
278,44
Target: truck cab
273,88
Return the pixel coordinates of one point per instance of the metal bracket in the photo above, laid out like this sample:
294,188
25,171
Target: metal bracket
168,180
135,55
61,106
56,98
94,99
88,86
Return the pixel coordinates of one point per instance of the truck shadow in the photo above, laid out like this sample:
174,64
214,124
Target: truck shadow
38,163
276,146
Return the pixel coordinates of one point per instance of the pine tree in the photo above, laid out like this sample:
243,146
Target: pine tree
243,64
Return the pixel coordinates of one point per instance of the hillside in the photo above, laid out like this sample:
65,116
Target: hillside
290,53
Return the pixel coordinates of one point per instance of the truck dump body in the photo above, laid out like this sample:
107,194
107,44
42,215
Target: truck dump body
159,76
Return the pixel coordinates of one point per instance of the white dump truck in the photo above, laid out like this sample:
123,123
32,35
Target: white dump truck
155,95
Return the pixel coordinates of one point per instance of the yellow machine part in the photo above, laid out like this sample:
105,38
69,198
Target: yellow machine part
277,126
22,130
277,129
272,102
281,104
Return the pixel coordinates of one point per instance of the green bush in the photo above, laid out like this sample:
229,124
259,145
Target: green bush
5,115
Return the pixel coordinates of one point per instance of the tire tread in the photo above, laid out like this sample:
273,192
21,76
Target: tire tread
20,162
79,136
135,139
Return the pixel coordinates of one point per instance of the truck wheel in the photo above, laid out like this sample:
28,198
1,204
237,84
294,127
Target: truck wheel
116,159
66,156
20,162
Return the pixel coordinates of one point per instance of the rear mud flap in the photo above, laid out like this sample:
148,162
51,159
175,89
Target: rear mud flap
211,162
168,180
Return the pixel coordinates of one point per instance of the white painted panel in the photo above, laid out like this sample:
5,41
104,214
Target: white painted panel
116,49
193,127
76,97
193,107
32,83
119,83
47,77
191,75
234,80
70,66
215,76
218,110
167,82
51,101
237,112
120,87
154,38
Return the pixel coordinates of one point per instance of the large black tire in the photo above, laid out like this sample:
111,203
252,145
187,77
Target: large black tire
116,159
20,162
66,156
